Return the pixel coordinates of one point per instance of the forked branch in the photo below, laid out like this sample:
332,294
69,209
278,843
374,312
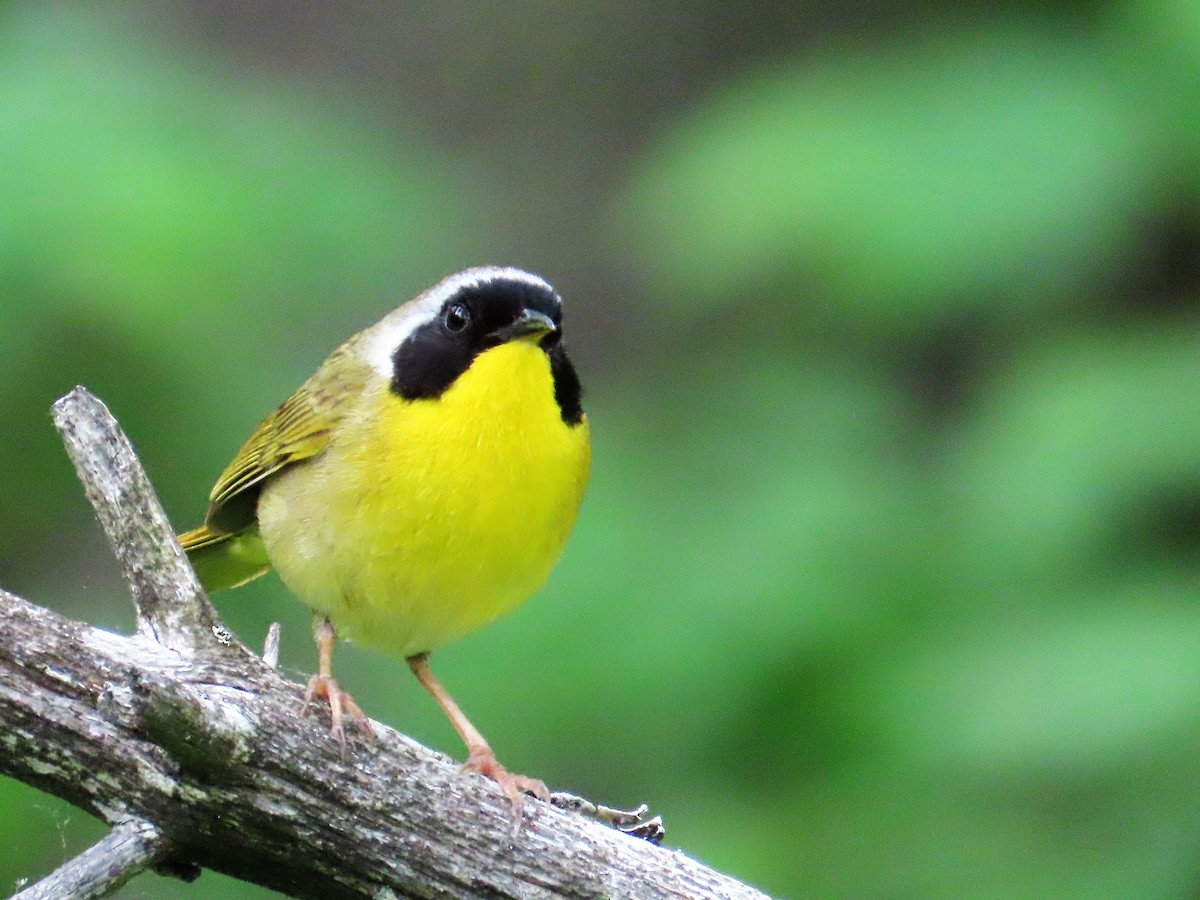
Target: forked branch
190,746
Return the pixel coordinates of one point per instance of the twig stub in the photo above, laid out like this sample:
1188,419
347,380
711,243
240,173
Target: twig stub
171,606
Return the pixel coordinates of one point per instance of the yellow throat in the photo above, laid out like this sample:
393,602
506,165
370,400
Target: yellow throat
425,519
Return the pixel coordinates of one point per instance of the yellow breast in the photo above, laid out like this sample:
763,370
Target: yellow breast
426,519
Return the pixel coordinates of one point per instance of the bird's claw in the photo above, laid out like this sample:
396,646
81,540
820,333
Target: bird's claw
483,761
632,822
341,704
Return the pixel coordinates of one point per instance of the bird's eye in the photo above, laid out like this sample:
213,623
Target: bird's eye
457,317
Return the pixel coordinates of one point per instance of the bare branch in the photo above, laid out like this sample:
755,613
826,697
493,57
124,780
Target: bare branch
181,727
215,755
171,605
129,849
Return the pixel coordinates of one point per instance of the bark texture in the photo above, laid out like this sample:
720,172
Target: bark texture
128,849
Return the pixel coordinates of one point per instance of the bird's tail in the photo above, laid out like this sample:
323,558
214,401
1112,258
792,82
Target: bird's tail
225,560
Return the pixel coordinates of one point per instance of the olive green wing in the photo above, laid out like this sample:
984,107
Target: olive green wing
299,429
226,550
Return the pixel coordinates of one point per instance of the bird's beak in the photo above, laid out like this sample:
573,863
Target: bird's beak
529,323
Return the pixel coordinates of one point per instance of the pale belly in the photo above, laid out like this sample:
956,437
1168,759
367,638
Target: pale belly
429,522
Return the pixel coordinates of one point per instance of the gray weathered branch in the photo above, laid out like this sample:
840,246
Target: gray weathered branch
170,604
183,729
129,849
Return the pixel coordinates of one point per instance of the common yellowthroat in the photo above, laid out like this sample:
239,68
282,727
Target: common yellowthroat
421,483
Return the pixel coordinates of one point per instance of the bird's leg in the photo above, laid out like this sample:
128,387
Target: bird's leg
480,757
323,684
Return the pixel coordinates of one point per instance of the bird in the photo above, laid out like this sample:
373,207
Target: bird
420,484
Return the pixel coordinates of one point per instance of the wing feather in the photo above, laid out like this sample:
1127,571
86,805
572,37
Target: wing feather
299,429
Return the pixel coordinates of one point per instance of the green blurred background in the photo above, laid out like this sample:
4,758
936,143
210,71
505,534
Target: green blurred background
886,583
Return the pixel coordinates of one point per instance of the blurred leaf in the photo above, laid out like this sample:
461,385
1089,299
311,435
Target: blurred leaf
170,196
888,831
1158,42
999,166
1072,442
1066,693
46,834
